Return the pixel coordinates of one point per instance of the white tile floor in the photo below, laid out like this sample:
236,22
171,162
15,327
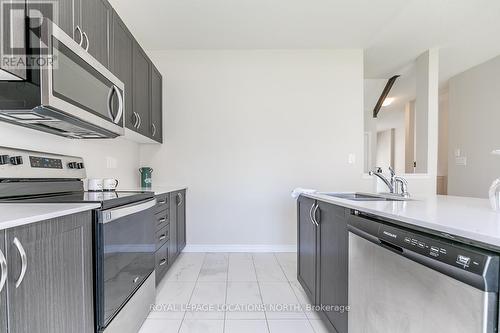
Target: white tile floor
232,293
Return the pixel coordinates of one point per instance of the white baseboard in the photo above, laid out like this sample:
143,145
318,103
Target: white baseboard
239,248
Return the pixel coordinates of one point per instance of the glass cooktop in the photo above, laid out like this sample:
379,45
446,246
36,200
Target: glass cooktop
107,199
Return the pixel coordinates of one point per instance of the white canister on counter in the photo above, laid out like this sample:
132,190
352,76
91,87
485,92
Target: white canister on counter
95,184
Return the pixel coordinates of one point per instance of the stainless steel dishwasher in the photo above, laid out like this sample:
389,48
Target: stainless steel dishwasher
402,281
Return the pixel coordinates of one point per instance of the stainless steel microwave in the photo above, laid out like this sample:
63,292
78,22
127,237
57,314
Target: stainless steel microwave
67,91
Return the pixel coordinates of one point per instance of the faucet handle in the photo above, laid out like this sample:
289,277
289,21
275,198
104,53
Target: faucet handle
391,170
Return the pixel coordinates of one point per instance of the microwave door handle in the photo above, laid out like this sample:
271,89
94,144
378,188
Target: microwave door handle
116,119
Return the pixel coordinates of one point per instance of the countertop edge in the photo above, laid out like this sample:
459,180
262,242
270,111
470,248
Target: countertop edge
410,223
157,190
57,212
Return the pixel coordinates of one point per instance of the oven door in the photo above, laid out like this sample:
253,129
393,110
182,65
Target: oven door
125,247
73,81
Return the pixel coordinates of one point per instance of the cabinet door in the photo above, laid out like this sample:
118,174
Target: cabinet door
333,266
141,90
121,58
156,105
307,247
96,16
13,37
3,290
68,17
56,293
181,220
173,226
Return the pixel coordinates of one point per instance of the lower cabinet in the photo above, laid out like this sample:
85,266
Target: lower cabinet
3,286
171,230
50,263
322,264
333,263
307,243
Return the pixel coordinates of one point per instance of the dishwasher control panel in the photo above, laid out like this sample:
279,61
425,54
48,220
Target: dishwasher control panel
451,254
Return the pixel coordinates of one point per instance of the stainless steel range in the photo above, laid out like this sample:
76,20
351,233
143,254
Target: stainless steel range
123,231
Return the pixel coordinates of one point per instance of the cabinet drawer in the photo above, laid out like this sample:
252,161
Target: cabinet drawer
162,236
162,201
161,262
161,220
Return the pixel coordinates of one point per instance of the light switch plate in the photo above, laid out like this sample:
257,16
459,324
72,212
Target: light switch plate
351,158
111,162
462,161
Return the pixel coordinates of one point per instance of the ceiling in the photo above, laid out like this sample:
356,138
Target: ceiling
392,32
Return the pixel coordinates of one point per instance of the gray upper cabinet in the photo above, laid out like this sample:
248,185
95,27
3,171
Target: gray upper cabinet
334,259
121,64
50,262
141,89
12,34
96,18
69,17
156,105
307,247
3,289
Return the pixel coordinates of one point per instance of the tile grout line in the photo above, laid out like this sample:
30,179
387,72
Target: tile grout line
192,292
293,291
260,292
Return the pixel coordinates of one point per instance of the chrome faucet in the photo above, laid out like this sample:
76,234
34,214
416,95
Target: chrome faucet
393,182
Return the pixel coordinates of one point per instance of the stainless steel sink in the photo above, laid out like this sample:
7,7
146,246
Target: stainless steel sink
365,197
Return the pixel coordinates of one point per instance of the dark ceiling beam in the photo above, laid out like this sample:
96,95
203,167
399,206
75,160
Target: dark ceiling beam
384,95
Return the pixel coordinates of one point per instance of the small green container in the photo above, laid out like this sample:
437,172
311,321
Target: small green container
146,173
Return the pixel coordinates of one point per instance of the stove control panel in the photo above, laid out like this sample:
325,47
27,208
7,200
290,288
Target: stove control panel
25,164
46,162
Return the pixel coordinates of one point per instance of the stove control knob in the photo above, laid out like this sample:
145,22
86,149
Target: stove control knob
16,160
80,165
4,159
72,165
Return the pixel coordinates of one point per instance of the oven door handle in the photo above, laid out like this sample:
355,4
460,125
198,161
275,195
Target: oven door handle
117,213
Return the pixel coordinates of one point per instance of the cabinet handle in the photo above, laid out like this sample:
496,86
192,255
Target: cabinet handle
163,262
84,34
136,119
140,121
136,279
162,237
77,29
162,220
24,261
154,129
3,267
314,215
162,202
181,199
310,213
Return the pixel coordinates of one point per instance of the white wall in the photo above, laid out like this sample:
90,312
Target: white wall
243,128
94,152
474,120
394,119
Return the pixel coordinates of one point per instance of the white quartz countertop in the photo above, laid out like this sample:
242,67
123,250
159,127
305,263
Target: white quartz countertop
17,214
469,220
157,189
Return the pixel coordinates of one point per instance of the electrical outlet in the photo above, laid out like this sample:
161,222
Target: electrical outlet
462,161
111,162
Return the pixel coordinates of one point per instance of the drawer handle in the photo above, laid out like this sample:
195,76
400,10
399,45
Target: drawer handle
136,279
162,202
162,220
163,262
162,237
